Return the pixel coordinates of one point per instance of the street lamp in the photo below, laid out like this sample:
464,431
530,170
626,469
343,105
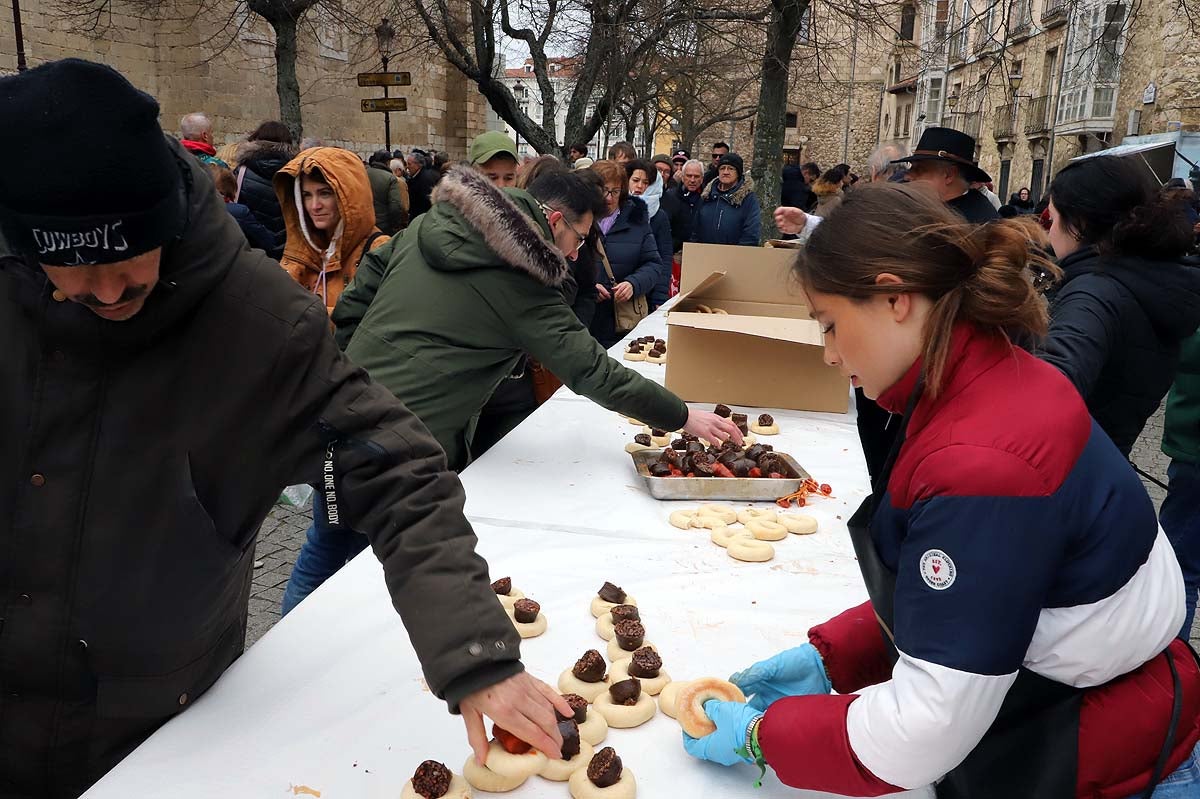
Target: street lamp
385,36
1014,82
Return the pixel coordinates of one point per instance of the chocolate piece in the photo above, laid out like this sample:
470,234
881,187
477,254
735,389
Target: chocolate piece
728,444
679,444
635,347
657,469
630,634
604,771
658,342
766,420
642,438
729,456
626,692
431,779
503,586
704,457
612,593
755,452
738,418
569,731
695,446
645,663
672,457
657,353
625,613
742,467
773,462
702,469
686,436
723,411
745,428
526,611
578,704
654,431
590,667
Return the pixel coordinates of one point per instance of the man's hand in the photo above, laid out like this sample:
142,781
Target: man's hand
603,293
623,291
524,706
790,220
712,428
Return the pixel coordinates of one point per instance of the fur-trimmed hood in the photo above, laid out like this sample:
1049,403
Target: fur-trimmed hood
265,157
472,225
823,188
734,197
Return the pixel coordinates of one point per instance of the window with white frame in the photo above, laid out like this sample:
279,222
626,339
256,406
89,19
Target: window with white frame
933,102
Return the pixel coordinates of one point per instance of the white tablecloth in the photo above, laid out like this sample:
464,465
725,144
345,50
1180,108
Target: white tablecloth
332,697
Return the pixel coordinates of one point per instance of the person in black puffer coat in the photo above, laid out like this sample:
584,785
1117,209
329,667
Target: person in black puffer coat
1126,302
269,148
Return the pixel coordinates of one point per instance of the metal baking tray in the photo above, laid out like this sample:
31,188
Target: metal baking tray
749,489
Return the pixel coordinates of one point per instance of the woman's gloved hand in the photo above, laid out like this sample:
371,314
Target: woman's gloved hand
727,745
794,672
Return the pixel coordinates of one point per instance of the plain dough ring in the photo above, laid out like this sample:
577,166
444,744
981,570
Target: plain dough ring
725,513
624,717
756,514
600,607
765,430
724,535
708,521
561,770
509,599
506,764
690,703
459,789
667,697
484,779
615,653
682,519
604,627
650,685
529,629
798,523
633,447
750,550
582,788
594,728
633,356
568,683
765,530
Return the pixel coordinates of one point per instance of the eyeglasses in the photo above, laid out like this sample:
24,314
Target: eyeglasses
582,237
611,193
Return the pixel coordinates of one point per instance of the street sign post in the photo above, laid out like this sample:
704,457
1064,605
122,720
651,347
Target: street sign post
385,79
385,104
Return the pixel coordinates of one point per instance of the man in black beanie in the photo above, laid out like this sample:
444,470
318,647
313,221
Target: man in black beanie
162,383
729,211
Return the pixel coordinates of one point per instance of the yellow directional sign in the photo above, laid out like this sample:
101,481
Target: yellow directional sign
385,79
385,104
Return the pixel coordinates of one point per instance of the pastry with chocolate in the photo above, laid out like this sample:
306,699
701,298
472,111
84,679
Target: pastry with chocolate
646,665
607,598
765,426
605,624
586,678
634,352
628,635
432,780
578,704
625,705
576,754
506,593
527,617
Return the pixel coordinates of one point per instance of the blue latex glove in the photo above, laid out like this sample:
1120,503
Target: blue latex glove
723,746
794,672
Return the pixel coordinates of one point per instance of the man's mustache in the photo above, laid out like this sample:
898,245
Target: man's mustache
130,293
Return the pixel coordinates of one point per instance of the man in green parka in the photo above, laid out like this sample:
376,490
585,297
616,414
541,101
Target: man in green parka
1180,514
442,313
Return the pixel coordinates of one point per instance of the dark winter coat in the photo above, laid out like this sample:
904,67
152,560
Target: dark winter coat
420,191
681,206
660,226
262,159
259,237
142,457
1116,325
974,207
391,215
729,217
795,191
443,312
633,255
1026,207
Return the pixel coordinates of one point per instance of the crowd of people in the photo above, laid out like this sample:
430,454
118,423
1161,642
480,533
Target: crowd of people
192,329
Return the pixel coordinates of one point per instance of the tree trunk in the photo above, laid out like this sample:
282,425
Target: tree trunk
767,166
286,84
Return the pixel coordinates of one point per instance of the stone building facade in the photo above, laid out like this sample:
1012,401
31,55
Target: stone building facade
205,56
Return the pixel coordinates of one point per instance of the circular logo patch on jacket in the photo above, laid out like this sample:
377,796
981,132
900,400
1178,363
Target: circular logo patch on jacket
937,570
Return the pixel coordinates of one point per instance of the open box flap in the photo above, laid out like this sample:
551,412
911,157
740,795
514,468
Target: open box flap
798,331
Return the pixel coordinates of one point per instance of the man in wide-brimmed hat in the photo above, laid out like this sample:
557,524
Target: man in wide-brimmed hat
945,159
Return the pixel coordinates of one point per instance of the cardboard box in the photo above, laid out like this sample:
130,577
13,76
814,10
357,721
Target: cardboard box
765,351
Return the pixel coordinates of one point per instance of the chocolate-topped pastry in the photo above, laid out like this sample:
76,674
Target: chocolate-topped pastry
612,593
679,444
590,667
766,420
737,418
745,428
658,469
645,663
526,611
605,769
659,342
626,692
742,467
635,347
569,731
578,704
503,586
431,779
642,438
654,431
630,634
625,613
657,353
723,411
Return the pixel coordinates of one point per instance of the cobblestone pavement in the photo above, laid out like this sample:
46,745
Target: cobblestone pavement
283,533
